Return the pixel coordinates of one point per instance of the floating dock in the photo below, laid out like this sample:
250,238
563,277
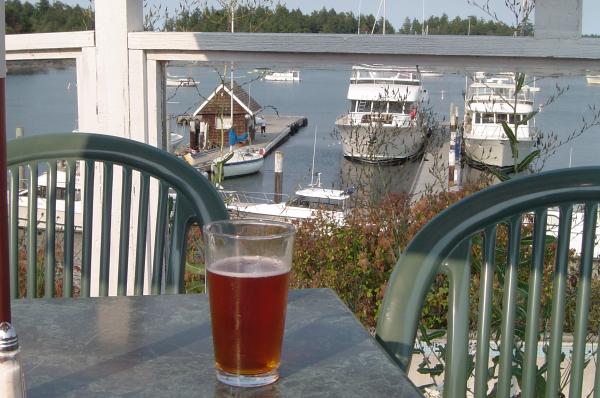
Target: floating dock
278,130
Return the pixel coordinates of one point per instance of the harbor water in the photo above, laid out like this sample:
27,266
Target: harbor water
46,101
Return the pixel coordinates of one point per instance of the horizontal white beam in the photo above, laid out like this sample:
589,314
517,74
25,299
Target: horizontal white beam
438,45
41,55
50,41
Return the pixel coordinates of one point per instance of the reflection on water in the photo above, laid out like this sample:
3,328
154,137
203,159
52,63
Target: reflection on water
374,181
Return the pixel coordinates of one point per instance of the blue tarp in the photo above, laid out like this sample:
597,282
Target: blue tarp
234,138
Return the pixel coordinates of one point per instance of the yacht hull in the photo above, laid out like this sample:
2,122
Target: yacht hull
495,152
380,143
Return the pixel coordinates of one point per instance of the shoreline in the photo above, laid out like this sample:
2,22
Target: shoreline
37,66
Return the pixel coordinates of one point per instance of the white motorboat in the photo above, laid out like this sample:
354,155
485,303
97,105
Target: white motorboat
306,203
289,76
593,79
42,191
490,100
180,81
175,140
243,162
383,124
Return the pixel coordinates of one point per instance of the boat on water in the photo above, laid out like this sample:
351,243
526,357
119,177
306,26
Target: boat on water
180,81
244,161
383,124
306,203
289,76
489,102
42,192
175,140
593,79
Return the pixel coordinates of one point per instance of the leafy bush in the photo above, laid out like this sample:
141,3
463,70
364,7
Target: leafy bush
356,259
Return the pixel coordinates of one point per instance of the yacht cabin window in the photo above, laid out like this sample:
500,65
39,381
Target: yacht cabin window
363,106
379,107
487,118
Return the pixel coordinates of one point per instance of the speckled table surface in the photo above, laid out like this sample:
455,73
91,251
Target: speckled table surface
160,346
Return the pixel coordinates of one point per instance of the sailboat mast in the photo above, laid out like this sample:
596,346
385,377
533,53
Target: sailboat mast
312,169
423,18
384,17
359,7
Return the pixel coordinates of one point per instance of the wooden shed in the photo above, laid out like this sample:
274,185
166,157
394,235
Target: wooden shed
216,113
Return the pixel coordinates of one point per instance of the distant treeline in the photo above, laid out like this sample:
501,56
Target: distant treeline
44,16
458,26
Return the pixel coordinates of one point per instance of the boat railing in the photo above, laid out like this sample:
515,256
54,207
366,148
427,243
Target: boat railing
252,197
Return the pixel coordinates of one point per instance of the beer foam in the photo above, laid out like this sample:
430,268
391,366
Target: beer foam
248,267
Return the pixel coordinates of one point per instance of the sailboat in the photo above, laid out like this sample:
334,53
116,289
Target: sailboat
306,203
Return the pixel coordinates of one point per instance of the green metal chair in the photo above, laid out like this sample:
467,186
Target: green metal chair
183,197
444,246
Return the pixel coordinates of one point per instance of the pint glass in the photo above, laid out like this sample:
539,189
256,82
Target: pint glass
248,264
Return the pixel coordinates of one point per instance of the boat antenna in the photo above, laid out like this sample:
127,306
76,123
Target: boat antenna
312,170
359,7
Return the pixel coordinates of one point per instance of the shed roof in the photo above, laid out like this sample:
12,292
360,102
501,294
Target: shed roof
240,95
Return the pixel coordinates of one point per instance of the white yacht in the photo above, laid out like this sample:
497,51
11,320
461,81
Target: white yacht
42,191
289,76
180,81
490,100
592,79
383,124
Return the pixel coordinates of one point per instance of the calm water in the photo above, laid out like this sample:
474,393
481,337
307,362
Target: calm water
47,102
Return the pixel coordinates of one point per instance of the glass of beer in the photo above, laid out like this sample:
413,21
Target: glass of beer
248,264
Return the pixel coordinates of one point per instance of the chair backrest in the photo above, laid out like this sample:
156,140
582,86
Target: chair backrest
70,183
444,246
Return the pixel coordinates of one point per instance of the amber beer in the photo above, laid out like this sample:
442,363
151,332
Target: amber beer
247,273
248,298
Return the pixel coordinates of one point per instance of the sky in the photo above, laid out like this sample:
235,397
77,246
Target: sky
398,10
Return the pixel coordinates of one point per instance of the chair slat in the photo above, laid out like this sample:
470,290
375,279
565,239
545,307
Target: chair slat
159,242
88,217
584,289
509,306
107,186
32,231
50,257
536,276
484,319
458,264
176,265
13,236
124,232
69,231
140,251
558,301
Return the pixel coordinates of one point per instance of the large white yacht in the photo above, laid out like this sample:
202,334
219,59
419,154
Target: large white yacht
383,124
490,100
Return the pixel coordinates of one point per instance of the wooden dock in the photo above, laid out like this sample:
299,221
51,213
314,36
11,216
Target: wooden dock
279,129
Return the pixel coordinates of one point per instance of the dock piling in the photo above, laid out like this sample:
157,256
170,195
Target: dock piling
278,176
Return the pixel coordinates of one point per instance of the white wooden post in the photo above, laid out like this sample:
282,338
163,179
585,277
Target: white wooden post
558,19
114,20
120,87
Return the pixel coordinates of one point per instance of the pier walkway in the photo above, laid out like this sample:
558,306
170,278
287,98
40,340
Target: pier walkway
279,129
